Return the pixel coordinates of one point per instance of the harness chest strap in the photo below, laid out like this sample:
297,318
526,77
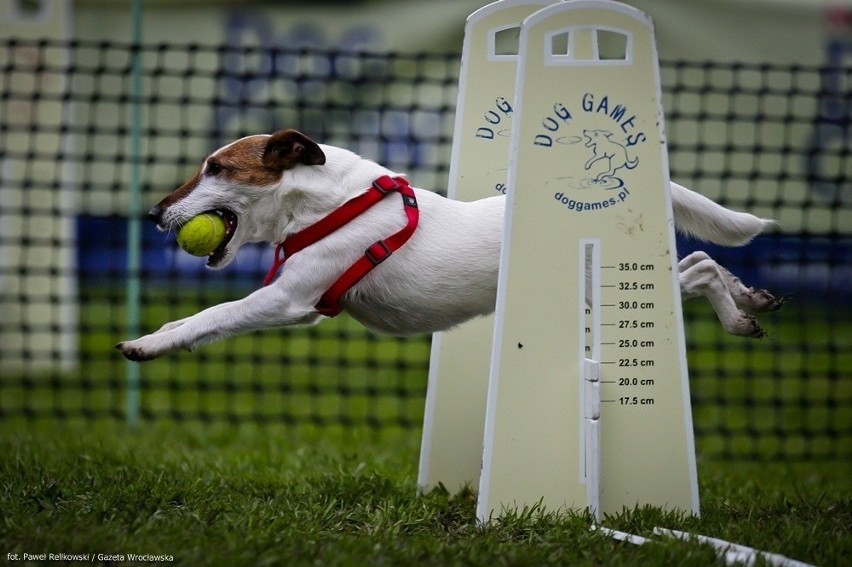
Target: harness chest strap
375,254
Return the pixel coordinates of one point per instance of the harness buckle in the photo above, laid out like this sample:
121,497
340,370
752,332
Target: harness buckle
409,201
385,184
378,252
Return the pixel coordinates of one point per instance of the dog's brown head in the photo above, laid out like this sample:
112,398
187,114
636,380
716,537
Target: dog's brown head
231,180
286,148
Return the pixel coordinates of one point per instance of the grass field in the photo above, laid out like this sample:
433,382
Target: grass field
207,485
248,495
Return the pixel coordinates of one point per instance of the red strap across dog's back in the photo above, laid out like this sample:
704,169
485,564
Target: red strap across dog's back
329,304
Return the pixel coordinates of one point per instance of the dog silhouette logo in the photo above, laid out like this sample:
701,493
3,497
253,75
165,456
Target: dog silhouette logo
608,156
593,144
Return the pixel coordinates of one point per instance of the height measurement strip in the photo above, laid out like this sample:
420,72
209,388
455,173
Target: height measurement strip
589,356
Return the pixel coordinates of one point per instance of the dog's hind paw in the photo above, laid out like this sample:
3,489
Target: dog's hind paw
745,326
775,304
760,301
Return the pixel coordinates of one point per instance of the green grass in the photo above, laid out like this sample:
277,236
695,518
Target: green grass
223,494
219,495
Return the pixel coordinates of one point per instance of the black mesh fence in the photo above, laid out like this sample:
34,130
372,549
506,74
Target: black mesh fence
774,140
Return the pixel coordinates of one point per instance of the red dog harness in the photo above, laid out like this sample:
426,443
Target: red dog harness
378,252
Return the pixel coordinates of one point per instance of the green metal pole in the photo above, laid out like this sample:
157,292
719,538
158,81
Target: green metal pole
134,224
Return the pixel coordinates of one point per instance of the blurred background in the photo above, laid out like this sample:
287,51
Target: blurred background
107,105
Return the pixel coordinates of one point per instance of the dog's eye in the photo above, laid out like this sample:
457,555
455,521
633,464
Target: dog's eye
213,169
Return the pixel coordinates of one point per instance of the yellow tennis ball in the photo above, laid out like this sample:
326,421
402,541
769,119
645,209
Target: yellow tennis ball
202,234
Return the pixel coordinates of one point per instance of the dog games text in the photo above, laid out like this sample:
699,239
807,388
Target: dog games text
497,120
591,104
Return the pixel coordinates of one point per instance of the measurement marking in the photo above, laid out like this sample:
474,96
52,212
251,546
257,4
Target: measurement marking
634,343
635,286
633,267
630,362
634,324
630,381
636,401
635,305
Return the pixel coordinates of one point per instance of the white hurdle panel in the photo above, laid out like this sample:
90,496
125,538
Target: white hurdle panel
587,400
451,450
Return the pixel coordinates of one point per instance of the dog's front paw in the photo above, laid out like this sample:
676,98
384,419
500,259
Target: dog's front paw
145,348
132,353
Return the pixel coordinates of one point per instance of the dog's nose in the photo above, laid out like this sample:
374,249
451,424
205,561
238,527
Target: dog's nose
155,214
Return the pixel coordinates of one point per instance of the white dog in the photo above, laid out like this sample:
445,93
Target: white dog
272,187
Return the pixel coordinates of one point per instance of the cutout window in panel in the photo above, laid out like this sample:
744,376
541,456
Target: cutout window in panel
560,44
507,41
612,45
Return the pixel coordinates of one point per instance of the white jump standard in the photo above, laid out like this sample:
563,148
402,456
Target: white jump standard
588,303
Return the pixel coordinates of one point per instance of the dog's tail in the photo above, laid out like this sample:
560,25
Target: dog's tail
696,215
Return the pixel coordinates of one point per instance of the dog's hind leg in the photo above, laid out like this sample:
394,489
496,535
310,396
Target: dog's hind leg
749,299
700,275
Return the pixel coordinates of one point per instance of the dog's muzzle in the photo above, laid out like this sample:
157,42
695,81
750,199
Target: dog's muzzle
155,215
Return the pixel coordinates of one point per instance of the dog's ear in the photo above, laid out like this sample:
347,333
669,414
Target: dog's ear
286,148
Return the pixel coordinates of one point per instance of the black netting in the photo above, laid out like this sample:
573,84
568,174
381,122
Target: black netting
770,139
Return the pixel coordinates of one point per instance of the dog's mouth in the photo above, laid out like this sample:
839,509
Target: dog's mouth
230,220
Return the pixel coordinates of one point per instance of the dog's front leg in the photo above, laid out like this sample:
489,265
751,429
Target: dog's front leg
266,308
